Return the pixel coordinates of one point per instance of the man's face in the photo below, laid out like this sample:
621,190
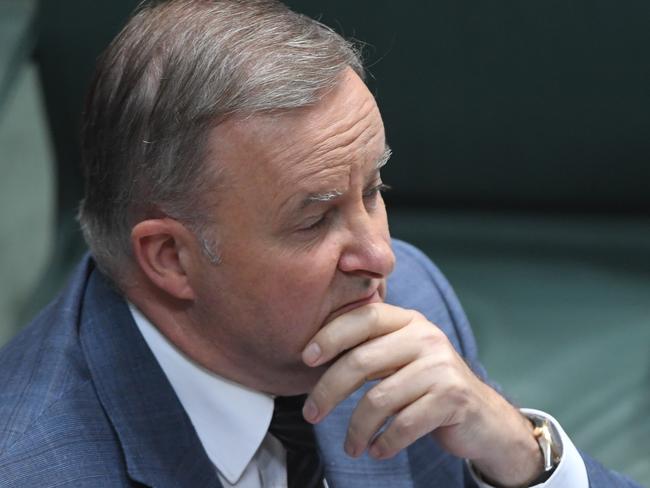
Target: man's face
302,233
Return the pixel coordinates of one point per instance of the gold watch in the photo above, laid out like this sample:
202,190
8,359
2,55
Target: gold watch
550,445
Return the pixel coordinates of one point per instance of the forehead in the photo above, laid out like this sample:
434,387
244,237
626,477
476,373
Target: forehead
309,150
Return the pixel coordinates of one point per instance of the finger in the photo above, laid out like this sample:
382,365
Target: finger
380,375
416,420
386,399
354,328
350,371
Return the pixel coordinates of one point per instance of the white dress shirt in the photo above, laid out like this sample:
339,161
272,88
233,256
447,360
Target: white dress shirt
221,409
230,420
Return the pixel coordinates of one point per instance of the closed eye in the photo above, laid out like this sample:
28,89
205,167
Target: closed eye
375,190
319,222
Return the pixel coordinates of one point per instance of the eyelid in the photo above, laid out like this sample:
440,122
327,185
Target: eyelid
321,219
314,224
381,187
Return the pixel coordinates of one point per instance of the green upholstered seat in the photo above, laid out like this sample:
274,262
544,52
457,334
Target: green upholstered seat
17,39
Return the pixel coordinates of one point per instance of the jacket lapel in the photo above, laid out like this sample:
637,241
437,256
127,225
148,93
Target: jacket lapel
160,444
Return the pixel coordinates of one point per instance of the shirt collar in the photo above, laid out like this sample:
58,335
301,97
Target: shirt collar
218,408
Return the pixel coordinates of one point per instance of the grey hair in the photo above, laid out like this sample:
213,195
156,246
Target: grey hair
178,69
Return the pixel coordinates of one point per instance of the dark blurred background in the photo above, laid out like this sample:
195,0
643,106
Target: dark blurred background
521,139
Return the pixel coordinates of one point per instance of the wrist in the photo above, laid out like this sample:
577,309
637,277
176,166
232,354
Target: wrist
516,460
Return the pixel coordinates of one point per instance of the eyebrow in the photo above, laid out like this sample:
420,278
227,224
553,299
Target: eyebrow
334,194
322,197
385,156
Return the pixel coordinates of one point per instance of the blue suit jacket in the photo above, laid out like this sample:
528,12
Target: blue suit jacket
83,401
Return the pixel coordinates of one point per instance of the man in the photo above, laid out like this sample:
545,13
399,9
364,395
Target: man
241,258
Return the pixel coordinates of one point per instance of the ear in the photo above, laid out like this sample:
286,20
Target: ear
163,250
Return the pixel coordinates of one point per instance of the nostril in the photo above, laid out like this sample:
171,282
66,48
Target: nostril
372,274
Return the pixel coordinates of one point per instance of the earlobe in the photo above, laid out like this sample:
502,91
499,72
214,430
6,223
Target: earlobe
160,247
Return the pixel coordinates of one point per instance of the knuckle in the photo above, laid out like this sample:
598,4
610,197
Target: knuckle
417,315
425,329
360,359
435,333
456,391
370,313
429,338
428,365
378,399
404,426
459,392
447,358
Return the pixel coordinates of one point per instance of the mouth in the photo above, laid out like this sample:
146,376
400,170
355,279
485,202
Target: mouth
374,296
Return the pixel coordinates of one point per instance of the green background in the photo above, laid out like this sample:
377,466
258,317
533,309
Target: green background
521,140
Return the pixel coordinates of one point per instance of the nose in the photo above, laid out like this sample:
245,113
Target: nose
367,251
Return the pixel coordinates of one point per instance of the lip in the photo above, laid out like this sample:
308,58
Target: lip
373,297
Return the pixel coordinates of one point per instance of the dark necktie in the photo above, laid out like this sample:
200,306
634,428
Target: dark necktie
304,466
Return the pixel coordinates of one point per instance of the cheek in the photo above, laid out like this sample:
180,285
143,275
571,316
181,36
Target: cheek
304,278
303,282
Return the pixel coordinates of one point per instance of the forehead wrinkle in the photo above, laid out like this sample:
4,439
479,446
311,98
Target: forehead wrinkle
324,164
321,165
348,131
331,174
327,158
325,148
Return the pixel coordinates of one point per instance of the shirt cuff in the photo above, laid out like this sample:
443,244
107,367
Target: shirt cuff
570,472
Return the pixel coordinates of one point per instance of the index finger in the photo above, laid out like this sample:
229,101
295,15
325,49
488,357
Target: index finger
354,328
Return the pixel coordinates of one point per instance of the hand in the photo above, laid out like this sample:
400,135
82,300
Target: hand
425,385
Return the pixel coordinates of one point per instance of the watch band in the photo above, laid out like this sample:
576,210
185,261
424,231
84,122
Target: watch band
550,445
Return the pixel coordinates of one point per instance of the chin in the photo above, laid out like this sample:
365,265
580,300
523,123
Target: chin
298,381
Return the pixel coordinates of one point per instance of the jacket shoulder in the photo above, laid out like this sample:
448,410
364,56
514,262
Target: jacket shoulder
41,364
53,429
70,443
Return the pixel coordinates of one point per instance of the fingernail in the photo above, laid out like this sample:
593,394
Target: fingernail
376,451
349,448
310,410
311,354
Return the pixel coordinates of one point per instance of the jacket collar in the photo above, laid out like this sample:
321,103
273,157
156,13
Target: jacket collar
160,444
